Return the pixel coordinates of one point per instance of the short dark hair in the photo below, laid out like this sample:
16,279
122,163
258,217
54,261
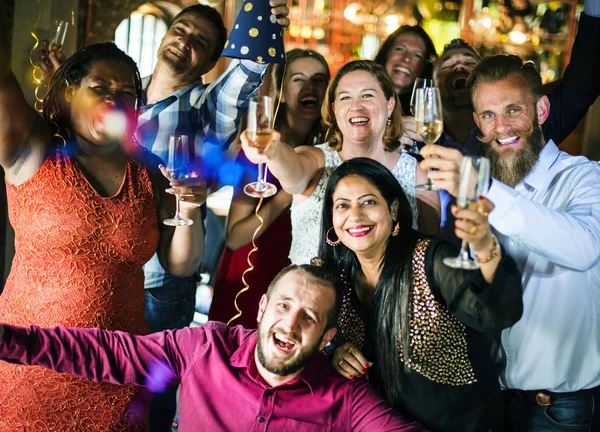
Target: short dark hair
459,44
213,16
72,72
500,67
430,52
318,275
391,138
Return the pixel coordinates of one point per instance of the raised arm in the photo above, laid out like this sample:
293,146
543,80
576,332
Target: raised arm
24,135
112,357
242,222
480,304
568,234
579,87
295,168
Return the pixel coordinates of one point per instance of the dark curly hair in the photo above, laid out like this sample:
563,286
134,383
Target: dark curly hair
72,72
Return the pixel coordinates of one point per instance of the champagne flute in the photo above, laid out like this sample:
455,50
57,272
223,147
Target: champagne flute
178,167
260,134
60,33
474,182
429,121
419,83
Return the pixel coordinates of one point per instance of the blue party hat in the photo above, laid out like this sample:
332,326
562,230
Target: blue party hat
256,35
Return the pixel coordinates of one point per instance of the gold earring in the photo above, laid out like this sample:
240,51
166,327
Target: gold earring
396,230
329,242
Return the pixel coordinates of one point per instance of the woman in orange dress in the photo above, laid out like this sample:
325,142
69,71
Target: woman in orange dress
86,205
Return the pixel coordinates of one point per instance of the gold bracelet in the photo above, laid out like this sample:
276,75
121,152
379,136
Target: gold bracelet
493,253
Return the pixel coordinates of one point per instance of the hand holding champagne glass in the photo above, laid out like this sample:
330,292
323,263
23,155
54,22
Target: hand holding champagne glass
429,121
418,84
260,134
473,183
59,35
178,167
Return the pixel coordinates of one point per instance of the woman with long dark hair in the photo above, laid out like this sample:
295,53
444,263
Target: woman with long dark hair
87,206
407,54
423,326
299,123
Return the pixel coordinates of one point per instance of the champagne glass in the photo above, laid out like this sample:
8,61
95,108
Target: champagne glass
419,83
260,134
178,167
60,33
429,121
474,182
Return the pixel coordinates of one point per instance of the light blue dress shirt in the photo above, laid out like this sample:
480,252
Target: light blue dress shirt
550,224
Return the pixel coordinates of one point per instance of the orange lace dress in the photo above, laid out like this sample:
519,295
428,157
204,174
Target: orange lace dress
78,263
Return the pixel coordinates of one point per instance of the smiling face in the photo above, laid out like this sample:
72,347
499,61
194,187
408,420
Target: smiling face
509,118
304,89
452,71
406,61
292,325
361,217
104,97
188,46
361,109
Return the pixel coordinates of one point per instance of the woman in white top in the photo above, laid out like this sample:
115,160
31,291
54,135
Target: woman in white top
363,119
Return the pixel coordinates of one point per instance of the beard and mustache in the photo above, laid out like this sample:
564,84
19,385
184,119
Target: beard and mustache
278,367
512,168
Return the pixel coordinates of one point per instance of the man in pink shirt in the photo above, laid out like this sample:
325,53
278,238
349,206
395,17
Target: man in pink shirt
275,378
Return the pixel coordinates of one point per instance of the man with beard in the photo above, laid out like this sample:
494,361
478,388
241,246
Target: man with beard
547,217
570,100
232,379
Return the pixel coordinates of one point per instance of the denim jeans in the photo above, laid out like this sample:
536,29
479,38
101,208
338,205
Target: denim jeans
171,306
576,411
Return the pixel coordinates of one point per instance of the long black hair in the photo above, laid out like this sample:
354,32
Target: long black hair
392,300
71,73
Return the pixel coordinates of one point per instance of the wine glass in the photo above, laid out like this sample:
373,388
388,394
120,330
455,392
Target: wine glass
60,32
178,167
474,182
419,83
260,135
429,121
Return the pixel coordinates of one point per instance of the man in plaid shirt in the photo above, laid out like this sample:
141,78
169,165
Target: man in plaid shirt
177,101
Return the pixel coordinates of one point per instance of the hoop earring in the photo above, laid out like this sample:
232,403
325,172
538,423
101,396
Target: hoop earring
396,229
329,242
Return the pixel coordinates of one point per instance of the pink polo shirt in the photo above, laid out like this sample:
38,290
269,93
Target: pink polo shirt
220,386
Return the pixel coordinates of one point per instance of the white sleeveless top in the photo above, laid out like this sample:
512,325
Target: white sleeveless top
306,216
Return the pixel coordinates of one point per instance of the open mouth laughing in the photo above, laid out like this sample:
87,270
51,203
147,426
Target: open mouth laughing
359,121
283,342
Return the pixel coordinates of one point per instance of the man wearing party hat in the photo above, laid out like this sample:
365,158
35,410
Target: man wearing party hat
177,101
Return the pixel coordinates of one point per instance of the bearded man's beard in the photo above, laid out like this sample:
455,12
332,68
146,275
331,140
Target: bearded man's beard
512,168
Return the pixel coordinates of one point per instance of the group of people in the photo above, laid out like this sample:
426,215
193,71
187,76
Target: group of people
367,329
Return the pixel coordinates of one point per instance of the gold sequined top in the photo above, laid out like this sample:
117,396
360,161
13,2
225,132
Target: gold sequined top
438,343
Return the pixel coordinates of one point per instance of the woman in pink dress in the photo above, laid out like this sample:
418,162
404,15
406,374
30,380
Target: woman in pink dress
86,204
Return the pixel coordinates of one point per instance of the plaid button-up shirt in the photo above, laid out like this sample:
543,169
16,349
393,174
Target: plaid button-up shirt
208,114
